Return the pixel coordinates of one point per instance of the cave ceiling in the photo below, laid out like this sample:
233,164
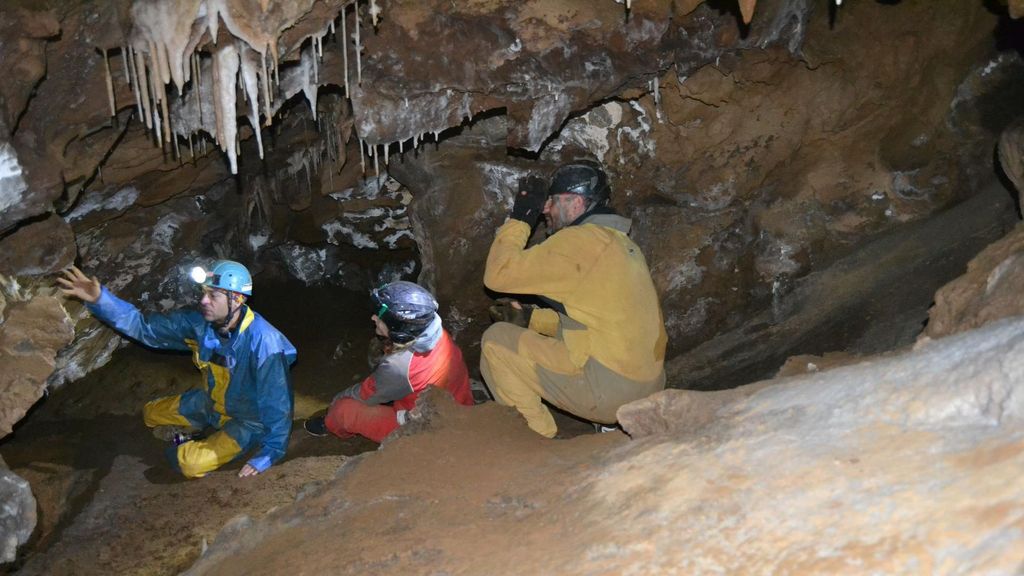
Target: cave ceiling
207,72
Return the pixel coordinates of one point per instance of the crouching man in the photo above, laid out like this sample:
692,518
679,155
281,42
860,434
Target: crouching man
419,353
600,342
246,395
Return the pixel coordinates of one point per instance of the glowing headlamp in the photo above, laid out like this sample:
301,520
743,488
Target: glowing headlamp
199,275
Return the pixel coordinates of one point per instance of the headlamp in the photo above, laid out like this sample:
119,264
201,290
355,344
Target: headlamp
199,275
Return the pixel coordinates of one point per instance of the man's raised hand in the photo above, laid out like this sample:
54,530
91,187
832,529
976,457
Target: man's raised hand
75,283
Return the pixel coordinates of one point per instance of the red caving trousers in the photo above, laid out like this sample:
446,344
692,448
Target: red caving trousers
348,417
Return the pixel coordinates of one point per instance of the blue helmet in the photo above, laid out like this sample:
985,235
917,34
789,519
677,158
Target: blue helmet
406,308
226,275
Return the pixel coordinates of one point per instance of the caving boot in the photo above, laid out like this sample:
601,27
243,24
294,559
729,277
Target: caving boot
480,392
316,426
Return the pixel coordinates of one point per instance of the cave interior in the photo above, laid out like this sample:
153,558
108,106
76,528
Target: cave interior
808,181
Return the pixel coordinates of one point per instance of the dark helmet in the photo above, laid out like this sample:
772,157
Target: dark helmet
584,177
406,308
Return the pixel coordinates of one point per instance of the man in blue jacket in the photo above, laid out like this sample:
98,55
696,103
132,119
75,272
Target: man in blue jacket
245,363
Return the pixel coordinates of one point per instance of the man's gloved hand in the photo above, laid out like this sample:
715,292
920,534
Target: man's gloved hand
529,202
509,310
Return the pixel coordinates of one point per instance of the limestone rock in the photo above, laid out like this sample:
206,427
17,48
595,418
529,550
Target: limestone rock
990,289
17,515
32,333
39,248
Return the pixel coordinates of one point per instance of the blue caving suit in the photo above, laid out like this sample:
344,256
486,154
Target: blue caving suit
247,396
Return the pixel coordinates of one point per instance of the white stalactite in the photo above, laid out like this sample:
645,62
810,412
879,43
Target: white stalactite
135,82
127,74
374,12
359,49
250,84
110,84
225,71
143,85
344,50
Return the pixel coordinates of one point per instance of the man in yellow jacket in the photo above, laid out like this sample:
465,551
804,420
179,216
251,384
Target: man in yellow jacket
600,343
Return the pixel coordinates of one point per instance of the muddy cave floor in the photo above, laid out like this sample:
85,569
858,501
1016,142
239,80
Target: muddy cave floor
108,503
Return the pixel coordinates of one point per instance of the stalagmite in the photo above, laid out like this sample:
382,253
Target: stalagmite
110,84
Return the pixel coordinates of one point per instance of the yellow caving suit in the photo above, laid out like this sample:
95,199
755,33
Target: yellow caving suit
605,350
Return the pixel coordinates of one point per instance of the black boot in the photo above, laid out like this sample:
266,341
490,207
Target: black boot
316,426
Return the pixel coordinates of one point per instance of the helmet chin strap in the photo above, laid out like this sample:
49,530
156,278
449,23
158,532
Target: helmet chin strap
224,326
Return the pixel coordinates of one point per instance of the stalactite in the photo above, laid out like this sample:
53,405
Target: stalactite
265,88
362,159
143,81
316,66
127,74
165,34
374,12
250,85
344,51
359,49
110,84
135,82
197,84
225,71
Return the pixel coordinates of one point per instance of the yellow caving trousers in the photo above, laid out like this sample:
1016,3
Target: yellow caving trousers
198,457
522,367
